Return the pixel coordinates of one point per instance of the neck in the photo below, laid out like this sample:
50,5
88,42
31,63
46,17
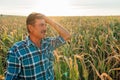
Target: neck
35,40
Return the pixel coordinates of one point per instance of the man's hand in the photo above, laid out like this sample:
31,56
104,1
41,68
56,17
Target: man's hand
62,31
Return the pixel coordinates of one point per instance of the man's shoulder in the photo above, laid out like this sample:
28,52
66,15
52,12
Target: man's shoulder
50,38
47,39
17,45
53,38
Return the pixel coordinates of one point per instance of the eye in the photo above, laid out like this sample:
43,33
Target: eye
42,24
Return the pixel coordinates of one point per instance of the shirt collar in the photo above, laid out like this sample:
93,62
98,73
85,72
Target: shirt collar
29,42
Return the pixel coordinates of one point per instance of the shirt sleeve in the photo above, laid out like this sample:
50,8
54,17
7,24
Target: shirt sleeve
57,42
13,66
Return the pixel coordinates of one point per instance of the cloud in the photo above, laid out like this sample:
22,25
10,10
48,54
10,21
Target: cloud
96,4
60,7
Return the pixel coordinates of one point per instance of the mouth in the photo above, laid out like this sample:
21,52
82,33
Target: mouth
43,32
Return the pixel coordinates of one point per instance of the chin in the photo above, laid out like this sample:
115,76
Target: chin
43,36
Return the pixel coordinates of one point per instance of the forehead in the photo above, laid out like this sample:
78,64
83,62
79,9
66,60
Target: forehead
39,21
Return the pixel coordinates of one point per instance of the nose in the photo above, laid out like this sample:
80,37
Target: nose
45,27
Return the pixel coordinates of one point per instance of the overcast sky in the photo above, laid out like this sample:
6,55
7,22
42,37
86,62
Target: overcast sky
61,7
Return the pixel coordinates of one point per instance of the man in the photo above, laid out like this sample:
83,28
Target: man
32,58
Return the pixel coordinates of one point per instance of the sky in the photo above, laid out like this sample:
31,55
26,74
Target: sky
61,7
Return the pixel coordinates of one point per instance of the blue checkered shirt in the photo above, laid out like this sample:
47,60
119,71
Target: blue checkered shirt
25,61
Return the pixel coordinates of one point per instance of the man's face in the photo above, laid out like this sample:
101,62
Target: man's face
39,28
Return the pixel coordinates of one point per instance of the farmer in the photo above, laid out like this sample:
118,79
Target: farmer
32,58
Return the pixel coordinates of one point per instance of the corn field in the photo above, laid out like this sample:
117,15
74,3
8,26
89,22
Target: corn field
93,53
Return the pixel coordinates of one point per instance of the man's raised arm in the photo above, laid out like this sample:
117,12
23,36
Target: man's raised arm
62,31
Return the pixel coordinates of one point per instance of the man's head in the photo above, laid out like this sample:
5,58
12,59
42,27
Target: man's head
36,25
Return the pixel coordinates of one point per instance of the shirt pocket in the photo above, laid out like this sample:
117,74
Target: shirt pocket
27,61
27,65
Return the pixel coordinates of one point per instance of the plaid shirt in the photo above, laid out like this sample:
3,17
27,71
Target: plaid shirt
27,62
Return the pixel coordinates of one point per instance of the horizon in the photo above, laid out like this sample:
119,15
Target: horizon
64,15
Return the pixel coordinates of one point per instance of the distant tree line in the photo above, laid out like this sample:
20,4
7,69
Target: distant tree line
1,14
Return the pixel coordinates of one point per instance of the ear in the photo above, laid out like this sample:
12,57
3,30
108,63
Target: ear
30,28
